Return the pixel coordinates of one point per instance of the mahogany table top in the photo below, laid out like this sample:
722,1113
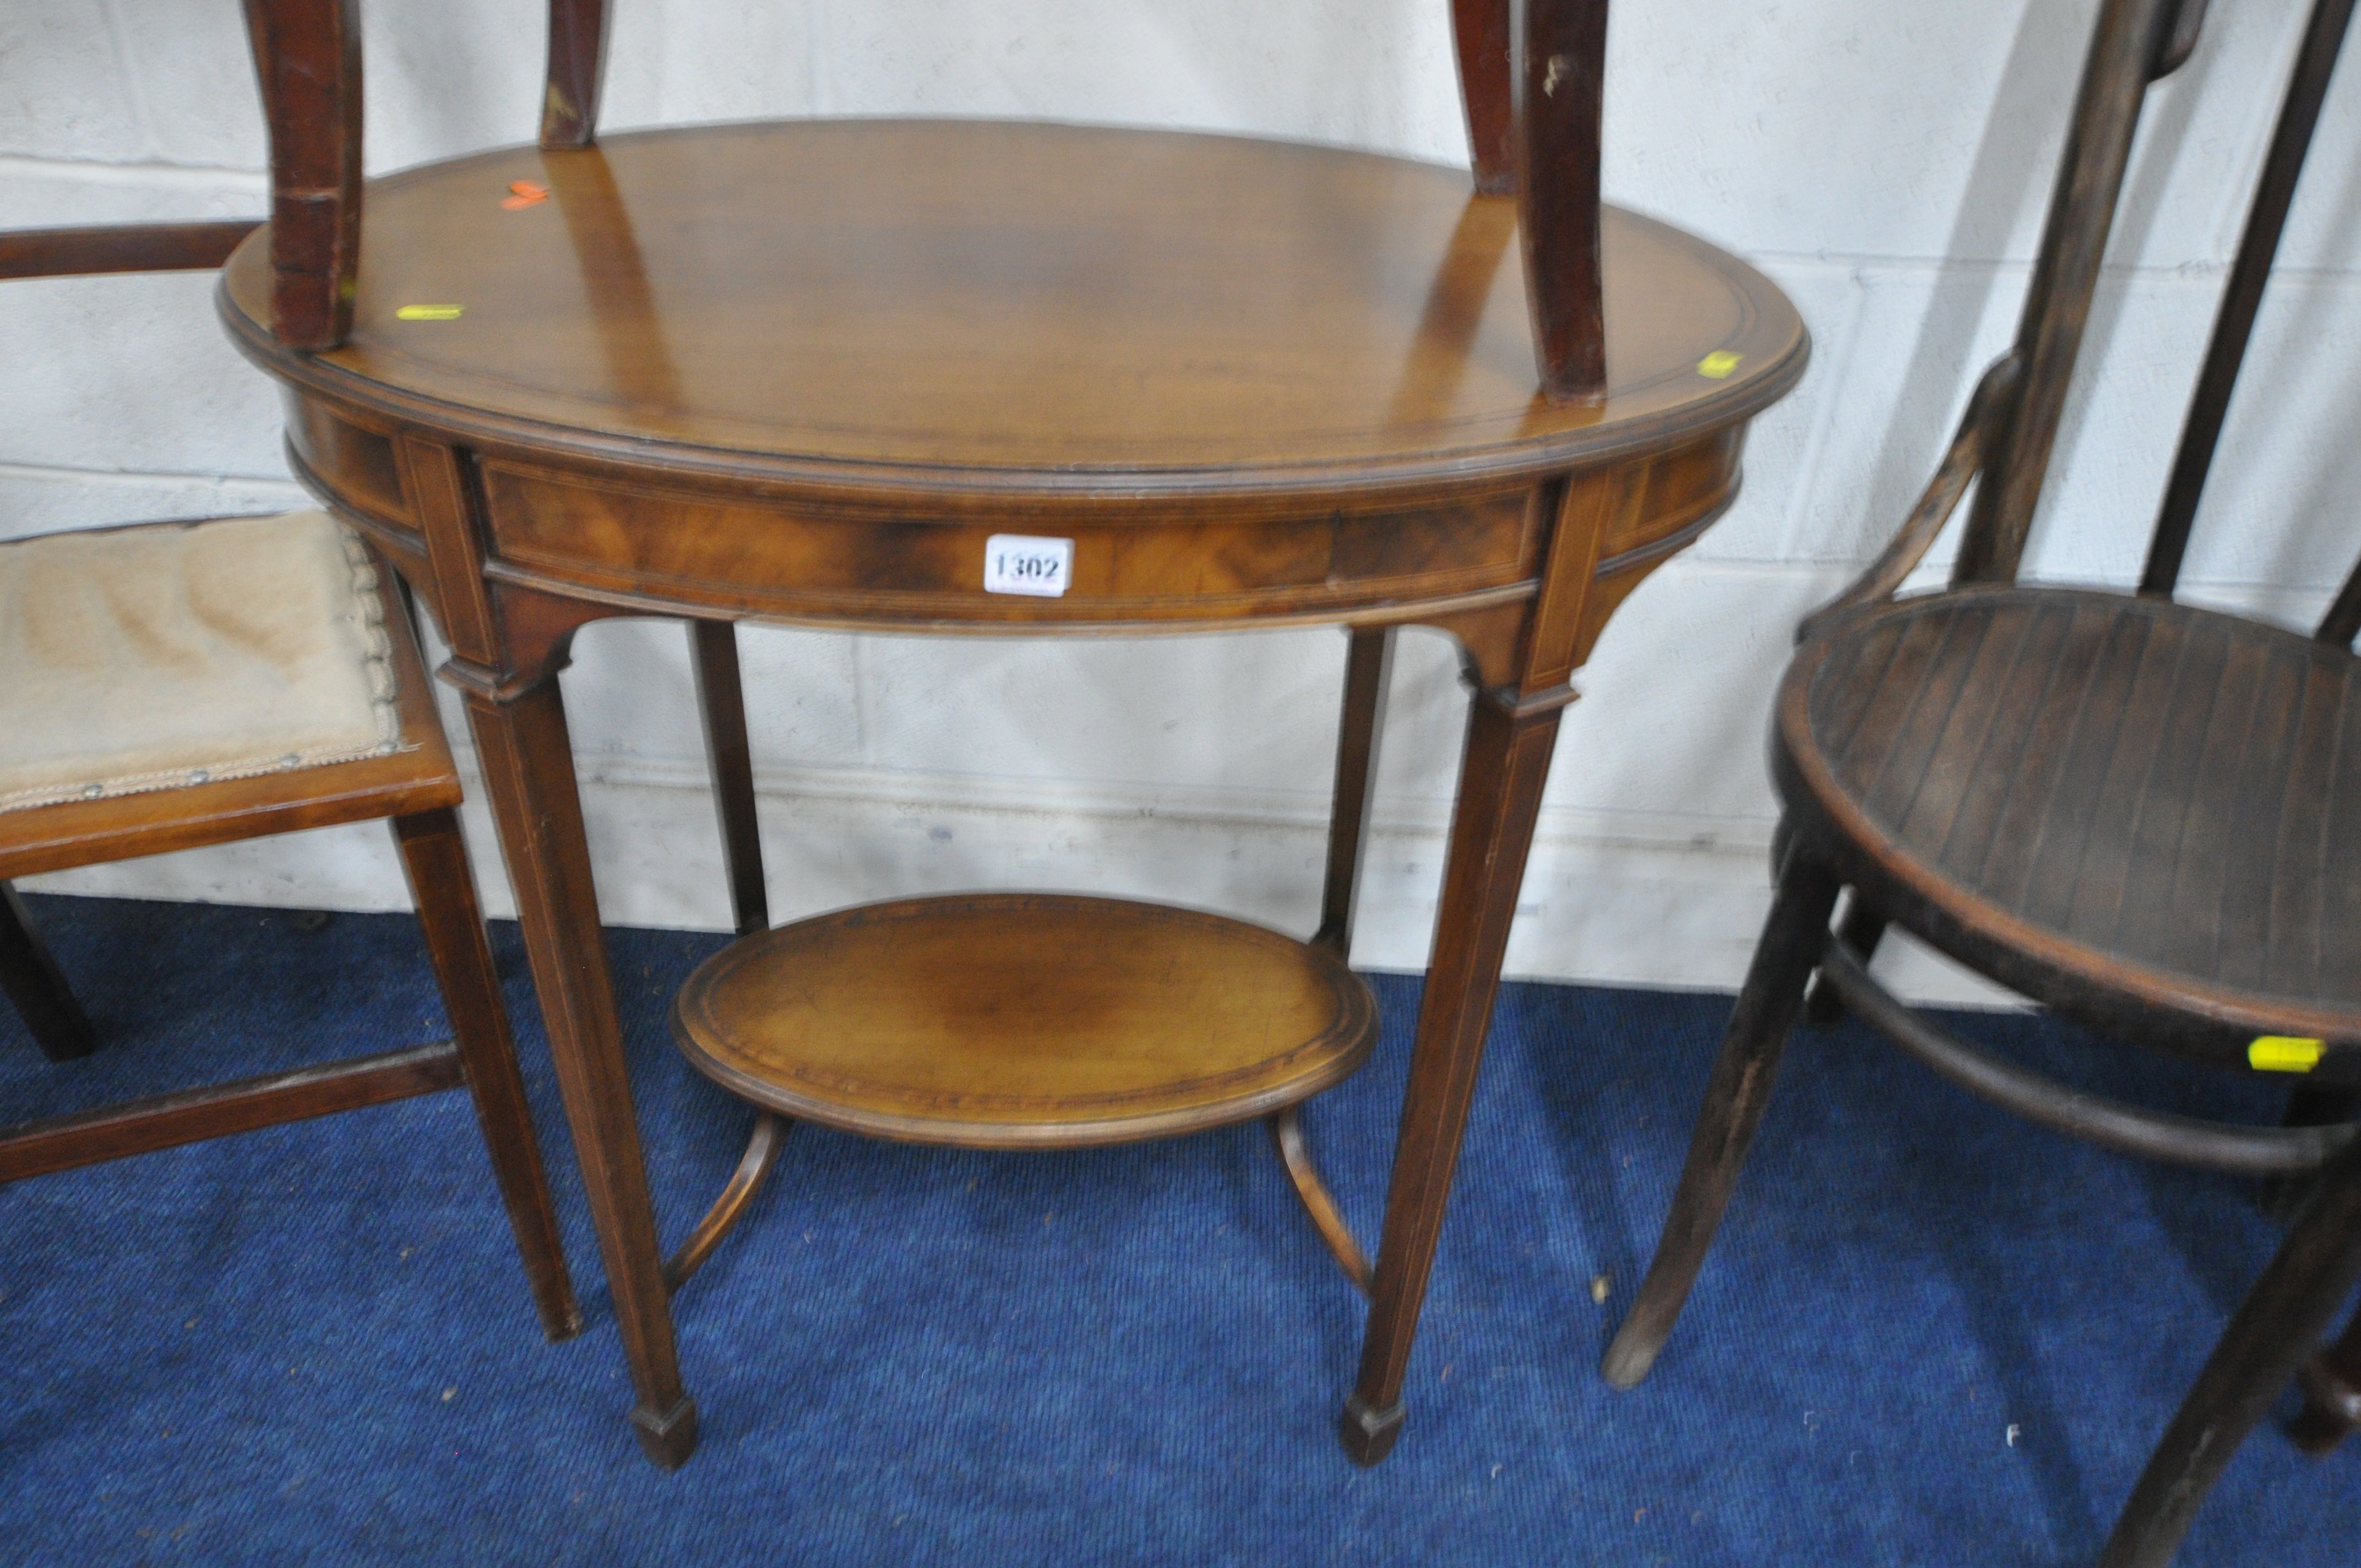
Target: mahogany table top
1011,306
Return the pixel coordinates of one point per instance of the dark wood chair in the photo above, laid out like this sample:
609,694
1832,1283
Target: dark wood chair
2143,815
83,781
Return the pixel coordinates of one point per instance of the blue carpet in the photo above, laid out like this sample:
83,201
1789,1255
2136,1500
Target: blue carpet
1930,1334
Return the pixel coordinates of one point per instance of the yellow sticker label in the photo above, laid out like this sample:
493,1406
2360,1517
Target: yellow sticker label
2283,1053
1717,365
429,313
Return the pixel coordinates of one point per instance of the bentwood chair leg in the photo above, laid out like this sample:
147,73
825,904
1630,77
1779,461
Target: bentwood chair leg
2310,1106
34,983
1861,930
443,887
2283,1197
1735,1098
721,695
2286,1313
2332,1394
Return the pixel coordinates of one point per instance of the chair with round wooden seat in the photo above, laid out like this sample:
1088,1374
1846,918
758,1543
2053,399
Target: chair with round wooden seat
2127,807
2145,815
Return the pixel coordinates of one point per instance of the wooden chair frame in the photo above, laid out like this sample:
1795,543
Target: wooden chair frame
416,788
2001,450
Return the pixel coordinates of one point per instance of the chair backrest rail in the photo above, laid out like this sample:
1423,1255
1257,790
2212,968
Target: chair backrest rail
2324,37
121,248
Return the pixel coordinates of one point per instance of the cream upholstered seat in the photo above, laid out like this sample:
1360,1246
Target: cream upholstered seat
171,654
180,685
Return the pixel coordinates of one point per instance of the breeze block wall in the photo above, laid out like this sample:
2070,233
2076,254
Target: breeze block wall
1887,164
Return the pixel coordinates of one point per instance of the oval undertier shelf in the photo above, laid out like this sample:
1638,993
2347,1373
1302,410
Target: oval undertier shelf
1024,1020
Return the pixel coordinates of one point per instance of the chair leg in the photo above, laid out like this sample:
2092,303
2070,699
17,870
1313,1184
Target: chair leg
1860,930
2331,1379
2286,1313
2283,1197
721,694
2332,1394
1735,1098
443,887
2310,1106
34,984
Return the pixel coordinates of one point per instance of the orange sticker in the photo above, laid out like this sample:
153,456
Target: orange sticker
524,193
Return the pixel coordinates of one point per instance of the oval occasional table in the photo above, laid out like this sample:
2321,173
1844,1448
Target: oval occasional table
975,378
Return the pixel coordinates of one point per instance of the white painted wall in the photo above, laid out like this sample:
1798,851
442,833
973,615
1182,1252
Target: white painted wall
1886,163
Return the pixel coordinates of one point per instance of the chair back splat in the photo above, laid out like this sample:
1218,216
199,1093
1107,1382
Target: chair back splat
2139,42
2133,39
2324,37
1533,95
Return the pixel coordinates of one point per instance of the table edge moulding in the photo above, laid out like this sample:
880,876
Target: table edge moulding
638,391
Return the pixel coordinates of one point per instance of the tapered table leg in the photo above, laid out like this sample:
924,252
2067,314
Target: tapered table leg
1500,778
528,764
1369,667
721,698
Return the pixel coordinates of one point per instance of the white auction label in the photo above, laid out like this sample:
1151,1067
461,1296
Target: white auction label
1018,563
